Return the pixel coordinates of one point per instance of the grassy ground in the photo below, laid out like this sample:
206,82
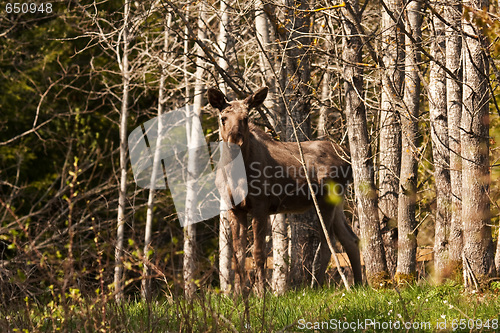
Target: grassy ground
420,308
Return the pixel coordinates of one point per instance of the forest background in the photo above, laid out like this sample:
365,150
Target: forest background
409,86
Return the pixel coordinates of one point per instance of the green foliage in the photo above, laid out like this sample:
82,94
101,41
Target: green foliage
297,311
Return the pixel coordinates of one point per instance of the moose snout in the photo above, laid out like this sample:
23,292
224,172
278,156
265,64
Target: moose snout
235,138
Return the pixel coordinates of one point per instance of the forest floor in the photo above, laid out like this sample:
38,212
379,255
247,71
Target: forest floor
418,308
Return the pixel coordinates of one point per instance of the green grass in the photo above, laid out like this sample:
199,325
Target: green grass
423,306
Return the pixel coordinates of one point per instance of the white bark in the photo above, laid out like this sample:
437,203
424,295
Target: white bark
146,279
324,111
189,268
280,253
125,71
497,255
278,222
474,135
226,274
390,130
453,14
407,239
440,150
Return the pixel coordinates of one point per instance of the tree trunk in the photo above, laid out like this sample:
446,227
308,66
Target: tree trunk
497,256
278,222
118,278
298,69
453,14
326,90
440,151
280,254
407,235
190,228
478,245
361,154
226,274
390,130
269,76
146,279
304,232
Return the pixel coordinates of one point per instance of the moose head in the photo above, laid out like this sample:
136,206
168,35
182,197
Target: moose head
234,115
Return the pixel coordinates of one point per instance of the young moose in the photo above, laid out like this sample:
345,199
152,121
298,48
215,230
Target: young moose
277,184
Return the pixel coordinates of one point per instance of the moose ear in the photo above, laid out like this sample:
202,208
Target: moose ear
257,98
216,98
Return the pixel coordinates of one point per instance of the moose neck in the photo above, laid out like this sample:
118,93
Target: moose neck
255,143
246,147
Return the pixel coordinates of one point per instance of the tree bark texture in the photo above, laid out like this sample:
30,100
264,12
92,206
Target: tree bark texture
324,119
440,149
361,154
189,259
390,128
497,256
280,254
226,274
407,235
146,272
453,14
279,232
304,227
478,245
270,77
125,71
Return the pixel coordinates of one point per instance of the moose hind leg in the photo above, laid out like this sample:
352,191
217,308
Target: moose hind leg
324,249
349,241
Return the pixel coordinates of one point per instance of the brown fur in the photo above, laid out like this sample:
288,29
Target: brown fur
276,165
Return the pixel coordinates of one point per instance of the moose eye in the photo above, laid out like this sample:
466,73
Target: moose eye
223,120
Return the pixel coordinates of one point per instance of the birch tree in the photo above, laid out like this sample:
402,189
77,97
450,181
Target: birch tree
407,237
278,221
226,277
474,136
390,130
189,260
440,151
453,15
146,279
125,72
326,88
361,154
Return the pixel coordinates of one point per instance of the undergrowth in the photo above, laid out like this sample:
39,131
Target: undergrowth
419,308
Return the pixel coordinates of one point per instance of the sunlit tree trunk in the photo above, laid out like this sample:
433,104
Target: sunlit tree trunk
125,71
226,276
407,235
453,14
278,221
440,151
361,154
326,88
146,279
323,111
189,262
390,129
478,245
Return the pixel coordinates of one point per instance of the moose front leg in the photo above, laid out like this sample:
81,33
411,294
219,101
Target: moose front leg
238,222
259,224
